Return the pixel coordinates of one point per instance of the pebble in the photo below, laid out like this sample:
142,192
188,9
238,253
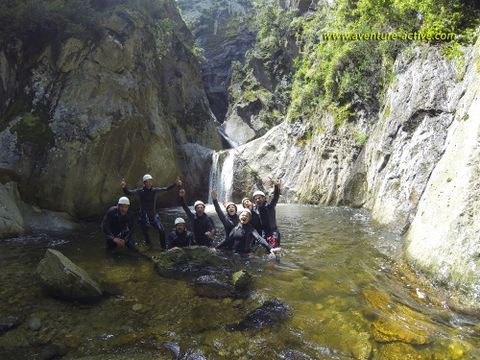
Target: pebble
35,324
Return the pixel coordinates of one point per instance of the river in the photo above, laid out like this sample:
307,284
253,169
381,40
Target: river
350,297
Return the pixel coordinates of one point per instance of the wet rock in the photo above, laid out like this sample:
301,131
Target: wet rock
269,313
173,348
35,323
212,286
241,280
193,355
191,261
61,278
8,323
294,355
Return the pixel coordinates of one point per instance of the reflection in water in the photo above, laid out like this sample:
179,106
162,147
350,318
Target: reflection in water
349,296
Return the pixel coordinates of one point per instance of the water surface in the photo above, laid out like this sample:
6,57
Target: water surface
349,294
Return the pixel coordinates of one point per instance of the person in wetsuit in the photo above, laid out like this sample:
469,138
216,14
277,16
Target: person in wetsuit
203,228
117,224
244,236
266,212
148,201
247,204
179,237
229,220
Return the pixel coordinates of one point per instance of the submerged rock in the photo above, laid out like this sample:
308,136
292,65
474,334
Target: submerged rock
173,348
269,313
212,286
241,280
399,322
61,278
191,261
8,323
193,355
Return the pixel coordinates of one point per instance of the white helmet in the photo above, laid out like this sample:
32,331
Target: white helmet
258,192
147,177
231,203
247,211
198,202
179,221
123,201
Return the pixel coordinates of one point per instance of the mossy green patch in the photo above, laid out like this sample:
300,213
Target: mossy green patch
33,129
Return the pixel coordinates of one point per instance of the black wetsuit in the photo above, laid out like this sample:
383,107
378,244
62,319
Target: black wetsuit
244,237
268,218
175,239
116,225
201,225
229,222
148,215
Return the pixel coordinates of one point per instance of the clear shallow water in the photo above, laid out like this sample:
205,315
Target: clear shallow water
350,298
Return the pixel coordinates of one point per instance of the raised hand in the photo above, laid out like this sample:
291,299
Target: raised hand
214,195
178,181
273,182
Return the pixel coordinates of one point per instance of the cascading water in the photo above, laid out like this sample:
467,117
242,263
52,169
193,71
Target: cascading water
221,175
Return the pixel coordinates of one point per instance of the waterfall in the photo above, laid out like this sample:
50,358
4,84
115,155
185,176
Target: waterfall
221,175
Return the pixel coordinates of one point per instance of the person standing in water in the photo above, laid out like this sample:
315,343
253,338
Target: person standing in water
148,202
179,237
203,228
229,220
247,204
244,236
266,212
117,225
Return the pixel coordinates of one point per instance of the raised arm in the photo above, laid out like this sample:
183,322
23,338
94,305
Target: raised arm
221,215
183,203
276,196
177,183
125,189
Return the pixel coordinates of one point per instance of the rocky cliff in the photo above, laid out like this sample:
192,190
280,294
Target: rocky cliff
414,167
79,114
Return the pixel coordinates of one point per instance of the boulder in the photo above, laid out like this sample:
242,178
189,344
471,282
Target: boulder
241,280
61,278
269,313
214,287
191,261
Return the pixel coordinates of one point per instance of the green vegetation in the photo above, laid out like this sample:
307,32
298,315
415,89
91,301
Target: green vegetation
360,137
345,76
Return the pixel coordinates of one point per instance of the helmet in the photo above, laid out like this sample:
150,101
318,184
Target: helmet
198,202
179,221
247,211
258,192
123,201
243,200
231,203
147,177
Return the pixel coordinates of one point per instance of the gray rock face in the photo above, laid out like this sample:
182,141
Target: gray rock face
61,278
225,30
91,113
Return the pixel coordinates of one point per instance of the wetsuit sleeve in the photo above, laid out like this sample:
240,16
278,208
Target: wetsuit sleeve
190,239
260,240
106,225
276,196
221,215
126,191
211,226
186,209
163,189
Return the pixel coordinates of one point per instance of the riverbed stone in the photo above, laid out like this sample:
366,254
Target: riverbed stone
9,323
397,322
212,286
190,261
61,278
241,280
35,323
268,314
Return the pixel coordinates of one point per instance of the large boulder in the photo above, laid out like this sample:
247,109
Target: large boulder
63,279
213,287
191,261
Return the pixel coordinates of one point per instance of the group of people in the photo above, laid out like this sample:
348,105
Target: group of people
255,225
